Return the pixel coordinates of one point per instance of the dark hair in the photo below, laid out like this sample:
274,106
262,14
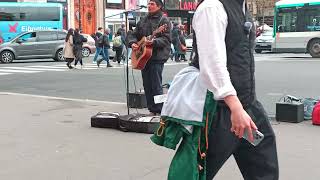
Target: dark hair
70,33
99,28
77,32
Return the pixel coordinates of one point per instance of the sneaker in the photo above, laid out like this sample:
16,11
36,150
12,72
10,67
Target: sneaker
109,65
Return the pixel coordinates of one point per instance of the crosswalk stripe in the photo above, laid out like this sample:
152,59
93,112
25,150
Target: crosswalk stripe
17,71
35,69
49,67
4,73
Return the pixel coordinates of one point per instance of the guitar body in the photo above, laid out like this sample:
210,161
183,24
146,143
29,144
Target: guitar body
140,57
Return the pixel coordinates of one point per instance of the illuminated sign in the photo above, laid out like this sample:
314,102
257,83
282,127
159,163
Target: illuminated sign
185,5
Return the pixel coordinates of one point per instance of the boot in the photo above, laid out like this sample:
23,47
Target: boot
98,62
109,65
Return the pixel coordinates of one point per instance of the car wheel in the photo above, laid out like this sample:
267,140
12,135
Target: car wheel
86,52
314,48
59,55
258,50
6,57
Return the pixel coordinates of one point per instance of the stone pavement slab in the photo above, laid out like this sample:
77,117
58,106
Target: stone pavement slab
44,138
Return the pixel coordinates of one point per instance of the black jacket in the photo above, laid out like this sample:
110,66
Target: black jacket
162,42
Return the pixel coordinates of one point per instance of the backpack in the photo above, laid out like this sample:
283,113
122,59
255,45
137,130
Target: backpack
316,114
309,104
100,41
117,41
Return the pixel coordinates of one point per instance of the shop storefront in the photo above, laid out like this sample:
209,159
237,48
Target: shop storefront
181,11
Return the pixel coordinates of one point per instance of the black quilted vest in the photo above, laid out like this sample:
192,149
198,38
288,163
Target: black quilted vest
239,45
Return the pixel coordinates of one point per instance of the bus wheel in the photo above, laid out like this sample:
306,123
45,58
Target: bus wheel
6,57
314,48
59,55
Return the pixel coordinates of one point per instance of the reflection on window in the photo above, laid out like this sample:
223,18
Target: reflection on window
29,37
287,21
312,19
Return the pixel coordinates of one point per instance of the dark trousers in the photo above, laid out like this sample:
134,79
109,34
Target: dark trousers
255,163
152,83
119,54
69,61
78,57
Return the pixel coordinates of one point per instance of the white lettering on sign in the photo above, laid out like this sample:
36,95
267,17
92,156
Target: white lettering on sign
39,28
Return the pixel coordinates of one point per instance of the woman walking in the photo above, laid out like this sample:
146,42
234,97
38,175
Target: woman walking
68,48
77,49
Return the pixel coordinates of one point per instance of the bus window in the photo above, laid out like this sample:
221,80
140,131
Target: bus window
287,20
312,19
9,13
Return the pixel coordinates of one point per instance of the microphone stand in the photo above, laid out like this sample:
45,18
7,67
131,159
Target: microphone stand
127,56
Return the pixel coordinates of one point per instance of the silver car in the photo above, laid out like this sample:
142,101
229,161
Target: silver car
34,45
40,44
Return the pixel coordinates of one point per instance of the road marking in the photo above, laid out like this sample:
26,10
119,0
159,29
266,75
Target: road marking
36,69
4,73
62,98
17,71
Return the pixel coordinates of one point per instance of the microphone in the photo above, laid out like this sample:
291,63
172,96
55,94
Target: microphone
142,6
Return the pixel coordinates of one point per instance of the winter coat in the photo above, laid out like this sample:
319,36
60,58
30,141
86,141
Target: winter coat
161,43
186,115
68,48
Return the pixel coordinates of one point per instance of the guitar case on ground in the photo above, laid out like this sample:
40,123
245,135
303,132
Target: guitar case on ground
139,123
105,120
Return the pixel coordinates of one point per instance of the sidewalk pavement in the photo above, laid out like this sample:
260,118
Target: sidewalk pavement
51,139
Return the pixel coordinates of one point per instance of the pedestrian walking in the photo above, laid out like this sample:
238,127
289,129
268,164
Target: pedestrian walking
104,43
78,41
99,48
118,44
68,48
224,54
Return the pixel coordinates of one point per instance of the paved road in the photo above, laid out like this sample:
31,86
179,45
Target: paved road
276,76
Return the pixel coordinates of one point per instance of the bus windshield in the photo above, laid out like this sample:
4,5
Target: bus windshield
23,17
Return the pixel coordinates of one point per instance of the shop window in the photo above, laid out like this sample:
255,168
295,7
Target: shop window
115,4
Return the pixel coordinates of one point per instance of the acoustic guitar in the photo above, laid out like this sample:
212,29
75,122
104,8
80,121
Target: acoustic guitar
141,56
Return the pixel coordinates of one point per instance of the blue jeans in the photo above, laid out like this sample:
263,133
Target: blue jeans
105,54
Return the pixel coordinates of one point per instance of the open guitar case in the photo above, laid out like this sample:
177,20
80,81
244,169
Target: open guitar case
139,123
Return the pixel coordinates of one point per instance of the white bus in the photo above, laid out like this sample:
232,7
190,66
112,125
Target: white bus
297,27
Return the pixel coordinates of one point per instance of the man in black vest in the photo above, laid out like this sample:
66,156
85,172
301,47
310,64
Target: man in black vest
152,73
224,40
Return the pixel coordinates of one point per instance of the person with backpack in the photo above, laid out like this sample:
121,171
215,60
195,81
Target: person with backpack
99,49
104,44
118,46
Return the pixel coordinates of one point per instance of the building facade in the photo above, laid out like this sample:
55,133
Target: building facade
262,10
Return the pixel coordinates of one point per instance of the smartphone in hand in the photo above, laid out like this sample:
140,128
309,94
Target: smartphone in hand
257,137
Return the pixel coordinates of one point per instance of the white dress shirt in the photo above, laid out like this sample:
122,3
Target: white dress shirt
210,23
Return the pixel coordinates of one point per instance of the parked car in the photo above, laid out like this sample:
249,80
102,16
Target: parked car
189,41
89,47
38,45
264,42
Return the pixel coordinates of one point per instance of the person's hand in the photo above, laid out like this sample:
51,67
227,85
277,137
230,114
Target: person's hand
135,46
240,120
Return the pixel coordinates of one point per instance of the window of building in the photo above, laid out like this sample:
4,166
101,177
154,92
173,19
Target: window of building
115,4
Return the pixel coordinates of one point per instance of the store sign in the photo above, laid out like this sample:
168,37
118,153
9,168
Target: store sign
186,5
60,1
